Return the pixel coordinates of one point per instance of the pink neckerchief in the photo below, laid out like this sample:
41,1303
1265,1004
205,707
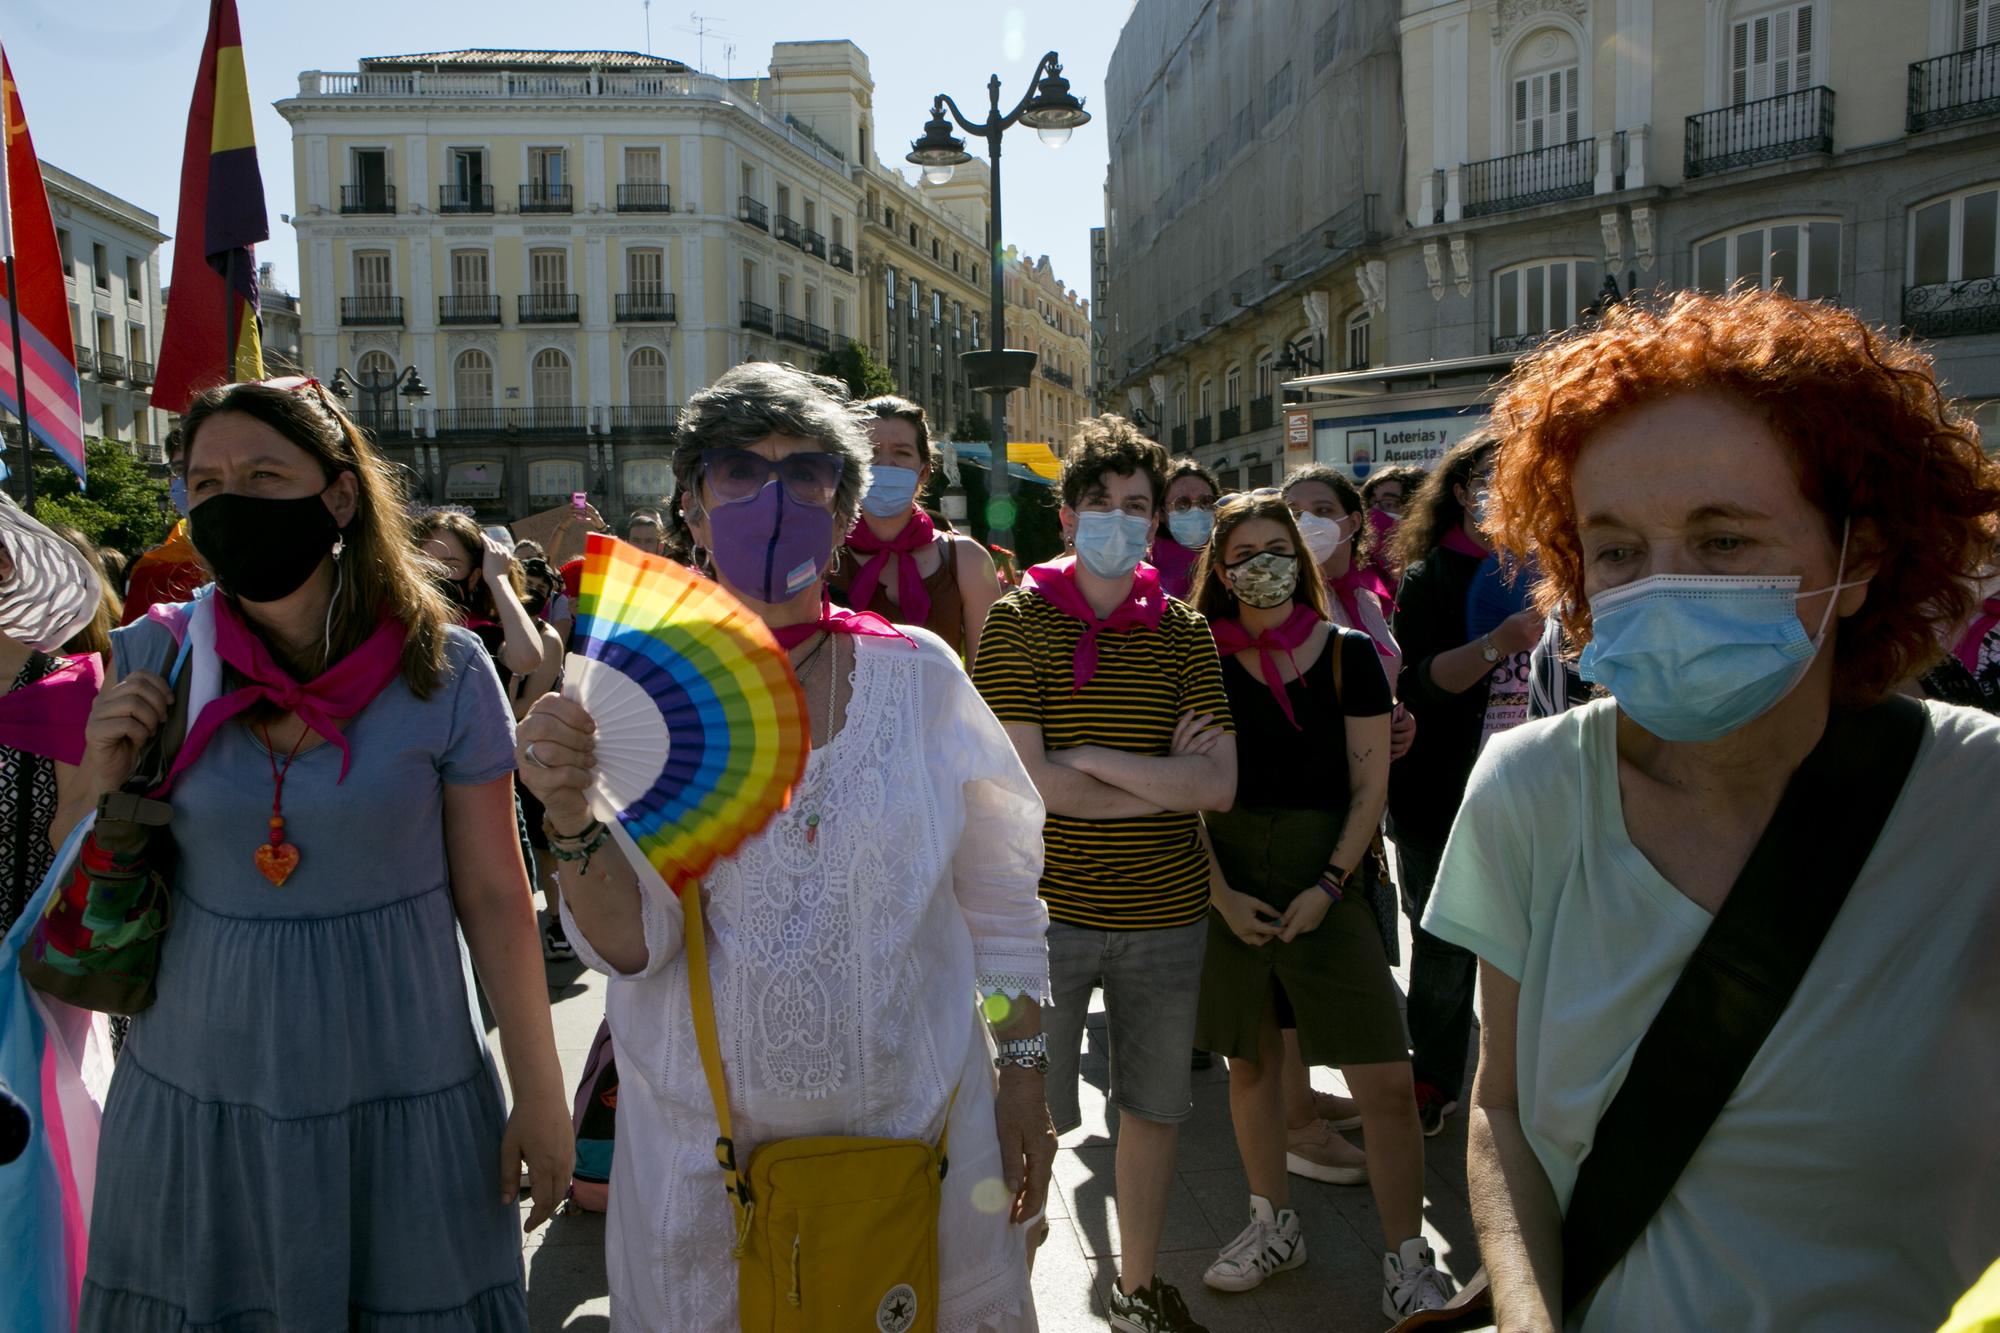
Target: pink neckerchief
1363,579
839,620
1175,563
46,716
1055,583
1231,637
342,691
913,599
1982,625
1456,540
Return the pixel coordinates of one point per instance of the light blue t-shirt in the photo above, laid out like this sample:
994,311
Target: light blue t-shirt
1852,1182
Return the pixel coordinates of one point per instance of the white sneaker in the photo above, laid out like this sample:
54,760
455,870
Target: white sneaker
1412,1281
1271,1243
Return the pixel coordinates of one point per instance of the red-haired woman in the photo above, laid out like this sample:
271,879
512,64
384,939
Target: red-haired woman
1760,518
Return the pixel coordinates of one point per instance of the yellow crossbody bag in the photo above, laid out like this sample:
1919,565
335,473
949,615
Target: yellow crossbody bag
833,1234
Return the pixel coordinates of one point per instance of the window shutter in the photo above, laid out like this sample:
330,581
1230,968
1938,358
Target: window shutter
1569,110
1781,53
1739,64
1520,115
1538,100
1802,75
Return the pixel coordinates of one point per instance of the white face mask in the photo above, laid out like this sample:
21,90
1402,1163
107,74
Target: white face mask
1324,536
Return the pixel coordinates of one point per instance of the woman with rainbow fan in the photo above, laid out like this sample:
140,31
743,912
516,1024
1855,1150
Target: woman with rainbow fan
847,941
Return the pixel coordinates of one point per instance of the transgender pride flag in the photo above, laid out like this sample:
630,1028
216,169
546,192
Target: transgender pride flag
34,308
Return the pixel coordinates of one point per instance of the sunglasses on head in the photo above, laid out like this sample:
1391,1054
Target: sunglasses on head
737,474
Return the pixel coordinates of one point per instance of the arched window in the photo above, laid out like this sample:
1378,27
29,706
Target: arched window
551,378
646,378
472,379
1542,91
553,480
1358,325
1799,255
1531,301
376,369
375,404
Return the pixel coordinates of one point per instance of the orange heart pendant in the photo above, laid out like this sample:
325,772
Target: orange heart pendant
277,861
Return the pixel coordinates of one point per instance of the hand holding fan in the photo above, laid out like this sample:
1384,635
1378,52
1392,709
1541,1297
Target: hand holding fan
701,731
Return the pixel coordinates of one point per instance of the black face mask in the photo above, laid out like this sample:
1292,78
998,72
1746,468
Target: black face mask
262,550
456,591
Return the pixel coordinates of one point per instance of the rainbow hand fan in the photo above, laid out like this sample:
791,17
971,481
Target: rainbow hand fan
701,728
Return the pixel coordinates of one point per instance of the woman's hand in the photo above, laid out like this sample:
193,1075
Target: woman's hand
1402,732
1195,733
121,724
1304,914
494,560
538,1136
555,748
1027,1140
1251,920
1520,632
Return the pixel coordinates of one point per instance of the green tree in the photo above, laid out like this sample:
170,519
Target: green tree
865,376
123,506
973,426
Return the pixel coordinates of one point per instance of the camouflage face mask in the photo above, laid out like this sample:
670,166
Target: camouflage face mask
1264,580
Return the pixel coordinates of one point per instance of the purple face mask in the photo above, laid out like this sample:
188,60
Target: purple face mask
771,546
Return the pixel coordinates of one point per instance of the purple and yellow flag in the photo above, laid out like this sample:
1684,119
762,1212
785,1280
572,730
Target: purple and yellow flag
212,335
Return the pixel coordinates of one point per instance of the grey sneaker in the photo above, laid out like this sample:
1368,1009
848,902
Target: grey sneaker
1155,1308
1412,1281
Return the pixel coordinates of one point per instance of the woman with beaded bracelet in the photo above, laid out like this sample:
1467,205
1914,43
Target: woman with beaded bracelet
1292,941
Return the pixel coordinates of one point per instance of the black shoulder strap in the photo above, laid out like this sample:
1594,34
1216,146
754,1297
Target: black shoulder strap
1733,990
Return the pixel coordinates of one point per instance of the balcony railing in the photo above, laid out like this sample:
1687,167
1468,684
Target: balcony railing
1768,130
141,372
1952,309
791,329
368,198
1204,431
110,366
812,243
381,421
1260,413
86,361
645,197
756,317
640,417
841,257
645,307
786,229
819,338
551,420
546,197
1230,424
1538,176
1521,342
546,308
1964,85
1178,439
750,211
361,310
1054,376
470,420
465,198
468,310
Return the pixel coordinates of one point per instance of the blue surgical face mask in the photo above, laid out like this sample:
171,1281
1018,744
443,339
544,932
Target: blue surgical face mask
1110,544
1694,657
1191,526
890,490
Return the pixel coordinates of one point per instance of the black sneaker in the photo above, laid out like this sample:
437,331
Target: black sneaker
1432,1107
556,947
1155,1308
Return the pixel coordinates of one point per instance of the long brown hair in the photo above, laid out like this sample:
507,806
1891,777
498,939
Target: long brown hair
1435,510
1211,596
454,526
380,570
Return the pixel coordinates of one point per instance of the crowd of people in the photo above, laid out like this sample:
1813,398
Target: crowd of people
1653,706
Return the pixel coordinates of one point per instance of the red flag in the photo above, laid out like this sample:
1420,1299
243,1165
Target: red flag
211,335
47,359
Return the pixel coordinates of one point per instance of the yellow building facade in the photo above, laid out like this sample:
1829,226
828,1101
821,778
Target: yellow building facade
1053,321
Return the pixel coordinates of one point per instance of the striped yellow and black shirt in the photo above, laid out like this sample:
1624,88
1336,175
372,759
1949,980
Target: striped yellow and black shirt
1108,874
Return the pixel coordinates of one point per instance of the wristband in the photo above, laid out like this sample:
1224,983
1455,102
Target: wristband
1333,879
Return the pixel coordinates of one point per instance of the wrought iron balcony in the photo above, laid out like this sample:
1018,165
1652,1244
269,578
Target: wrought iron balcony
1768,130
546,197
791,329
547,308
377,310
1951,309
1260,413
652,418
1178,440
141,372
1521,342
812,243
645,197
1538,176
786,229
468,310
470,420
368,198
819,337
380,421
1204,431
550,420
1054,376
750,211
1230,424
841,257
1964,85
86,361
756,317
457,198
645,307
110,366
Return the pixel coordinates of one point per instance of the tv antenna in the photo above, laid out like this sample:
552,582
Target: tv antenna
649,26
703,25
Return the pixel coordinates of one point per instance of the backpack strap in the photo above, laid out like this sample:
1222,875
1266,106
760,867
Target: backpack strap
1734,989
701,997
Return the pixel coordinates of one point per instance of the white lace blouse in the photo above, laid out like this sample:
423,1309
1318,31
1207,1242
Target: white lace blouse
847,972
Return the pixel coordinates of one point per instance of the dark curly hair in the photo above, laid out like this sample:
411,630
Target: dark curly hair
1434,510
1110,444
1189,467
1872,439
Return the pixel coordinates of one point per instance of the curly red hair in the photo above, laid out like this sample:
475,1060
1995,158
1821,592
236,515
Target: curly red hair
1871,436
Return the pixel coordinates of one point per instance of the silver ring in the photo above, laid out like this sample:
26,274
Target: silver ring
528,753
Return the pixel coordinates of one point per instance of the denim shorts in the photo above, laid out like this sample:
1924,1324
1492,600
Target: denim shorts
1152,985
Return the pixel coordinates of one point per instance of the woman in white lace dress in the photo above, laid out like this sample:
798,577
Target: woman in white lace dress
858,944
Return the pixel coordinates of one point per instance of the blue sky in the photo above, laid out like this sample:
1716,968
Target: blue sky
106,82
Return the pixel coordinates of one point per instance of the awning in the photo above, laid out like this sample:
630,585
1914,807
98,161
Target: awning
1378,380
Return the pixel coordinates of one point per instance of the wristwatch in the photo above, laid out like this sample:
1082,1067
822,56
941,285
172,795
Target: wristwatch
1024,1053
1488,649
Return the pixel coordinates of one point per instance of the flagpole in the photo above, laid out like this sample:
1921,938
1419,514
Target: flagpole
21,398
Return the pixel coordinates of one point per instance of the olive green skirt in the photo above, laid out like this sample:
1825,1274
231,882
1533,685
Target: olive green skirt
1333,983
